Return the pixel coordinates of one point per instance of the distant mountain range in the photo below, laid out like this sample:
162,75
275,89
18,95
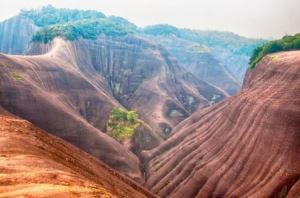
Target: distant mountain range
79,65
222,50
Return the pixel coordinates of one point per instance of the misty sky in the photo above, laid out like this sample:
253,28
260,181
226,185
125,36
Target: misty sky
252,18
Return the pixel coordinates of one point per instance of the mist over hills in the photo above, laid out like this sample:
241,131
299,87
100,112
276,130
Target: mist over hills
230,50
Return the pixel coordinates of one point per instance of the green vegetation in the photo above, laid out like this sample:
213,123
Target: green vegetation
86,29
285,44
50,15
162,30
122,123
72,24
16,76
124,23
212,39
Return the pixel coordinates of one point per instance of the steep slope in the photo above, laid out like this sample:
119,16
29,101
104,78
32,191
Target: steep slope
222,63
50,92
36,164
231,51
15,34
198,60
69,89
141,75
248,146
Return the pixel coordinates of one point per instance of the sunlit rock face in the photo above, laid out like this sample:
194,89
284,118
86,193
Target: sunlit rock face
38,164
247,146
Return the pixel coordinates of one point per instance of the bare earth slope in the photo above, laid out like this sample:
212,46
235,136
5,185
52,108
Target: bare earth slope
36,164
248,146
141,75
199,60
49,91
69,89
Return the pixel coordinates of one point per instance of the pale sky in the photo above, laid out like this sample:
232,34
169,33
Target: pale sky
252,18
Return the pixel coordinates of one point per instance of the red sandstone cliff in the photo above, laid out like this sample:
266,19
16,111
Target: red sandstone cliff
248,146
37,164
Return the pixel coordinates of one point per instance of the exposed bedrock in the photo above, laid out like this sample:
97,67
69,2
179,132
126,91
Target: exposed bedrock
142,76
37,164
15,34
248,146
53,94
200,61
69,89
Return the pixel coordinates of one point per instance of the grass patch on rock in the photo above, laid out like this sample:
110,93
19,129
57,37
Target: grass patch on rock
122,123
16,76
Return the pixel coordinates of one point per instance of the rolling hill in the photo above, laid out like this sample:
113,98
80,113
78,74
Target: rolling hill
69,88
37,164
247,146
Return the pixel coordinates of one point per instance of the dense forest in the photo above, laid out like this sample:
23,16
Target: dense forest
233,42
73,24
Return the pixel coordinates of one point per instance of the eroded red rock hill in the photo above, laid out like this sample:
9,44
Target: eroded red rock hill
36,164
248,146
69,89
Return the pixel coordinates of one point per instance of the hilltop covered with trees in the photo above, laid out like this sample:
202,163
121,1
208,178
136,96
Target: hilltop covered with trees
287,43
72,24
49,15
231,41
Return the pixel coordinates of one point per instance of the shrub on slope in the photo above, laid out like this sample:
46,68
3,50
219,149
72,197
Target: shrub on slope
122,123
285,44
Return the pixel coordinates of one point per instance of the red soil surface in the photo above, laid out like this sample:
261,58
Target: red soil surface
248,146
34,163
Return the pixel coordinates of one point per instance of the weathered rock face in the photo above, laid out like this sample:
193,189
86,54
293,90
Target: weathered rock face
207,68
70,88
236,63
143,76
198,60
37,164
51,92
248,146
15,34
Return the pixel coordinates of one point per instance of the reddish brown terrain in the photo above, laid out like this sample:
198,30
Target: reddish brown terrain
36,164
141,75
199,60
248,146
57,95
50,92
69,88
